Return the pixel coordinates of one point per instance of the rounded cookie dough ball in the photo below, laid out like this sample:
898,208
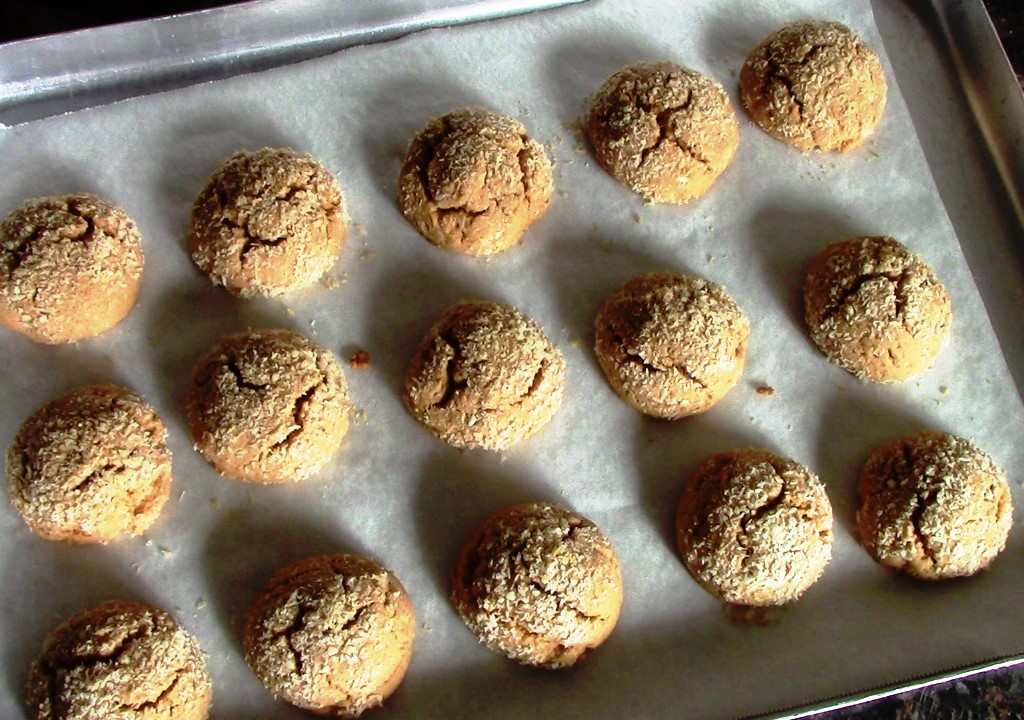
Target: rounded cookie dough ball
120,660
670,344
814,85
473,181
538,584
70,267
934,506
268,223
876,309
485,376
332,634
91,466
754,528
268,406
662,130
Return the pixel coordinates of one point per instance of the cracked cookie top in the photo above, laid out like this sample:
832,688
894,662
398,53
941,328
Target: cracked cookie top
671,344
91,466
934,506
876,309
538,584
268,223
70,267
268,406
332,634
814,85
754,528
485,376
473,181
120,660
662,130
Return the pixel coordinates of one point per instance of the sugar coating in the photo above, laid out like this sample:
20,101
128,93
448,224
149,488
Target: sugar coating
539,584
934,506
814,85
876,309
671,344
473,181
754,528
70,267
268,406
485,376
90,466
120,660
332,634
268,223
662,130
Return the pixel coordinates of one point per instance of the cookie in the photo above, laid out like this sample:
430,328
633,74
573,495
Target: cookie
754,528
70,267
485,376
671,344
91,466
538,584
268,222
332,634
814,85
934,506
662,130
876,309
473,181
119,660
268,406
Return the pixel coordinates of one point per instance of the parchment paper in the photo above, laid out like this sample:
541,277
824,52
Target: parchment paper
404,498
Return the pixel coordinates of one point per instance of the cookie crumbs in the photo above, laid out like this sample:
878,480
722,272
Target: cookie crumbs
360,360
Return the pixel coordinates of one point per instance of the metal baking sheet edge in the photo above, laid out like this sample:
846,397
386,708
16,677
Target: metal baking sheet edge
51,75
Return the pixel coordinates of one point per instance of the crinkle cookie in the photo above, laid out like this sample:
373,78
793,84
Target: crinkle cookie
486,376
876,309
70,267
332,634
934,506
90,466
538,584
814,85
268,406
671,344
473,181
754,528
119,660
268,223
662,130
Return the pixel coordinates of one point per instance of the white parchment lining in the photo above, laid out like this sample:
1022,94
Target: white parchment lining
407,500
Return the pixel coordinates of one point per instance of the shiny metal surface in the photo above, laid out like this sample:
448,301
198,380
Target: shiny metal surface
60,73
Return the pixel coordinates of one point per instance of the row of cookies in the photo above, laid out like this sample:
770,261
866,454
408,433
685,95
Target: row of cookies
273,221
538,583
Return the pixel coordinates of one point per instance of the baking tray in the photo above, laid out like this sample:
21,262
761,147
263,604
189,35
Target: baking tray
981,196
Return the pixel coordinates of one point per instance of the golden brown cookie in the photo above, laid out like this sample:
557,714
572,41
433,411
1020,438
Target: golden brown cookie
332,634
268,223
485,376
91,466
268,406
671,344
119,660
815,85
662,130
473,181
538,584
70,267
754,528
934,506
876,309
